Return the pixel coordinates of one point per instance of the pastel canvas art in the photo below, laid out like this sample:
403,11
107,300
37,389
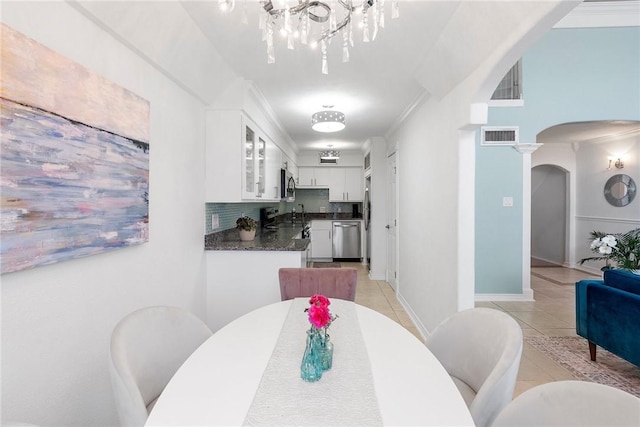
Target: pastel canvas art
74,159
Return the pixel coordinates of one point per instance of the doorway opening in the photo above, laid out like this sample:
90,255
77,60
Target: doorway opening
549,216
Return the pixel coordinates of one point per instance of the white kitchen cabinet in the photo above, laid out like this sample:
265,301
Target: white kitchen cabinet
354,184
321,239
238,164
346,185
274,164
305,177
314,177
322,176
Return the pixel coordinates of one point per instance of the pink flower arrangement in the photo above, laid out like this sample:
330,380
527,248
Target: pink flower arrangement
319,314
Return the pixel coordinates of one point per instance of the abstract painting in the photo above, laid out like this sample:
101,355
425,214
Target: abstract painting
74,159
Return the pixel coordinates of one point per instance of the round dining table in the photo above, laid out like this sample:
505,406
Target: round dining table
219,383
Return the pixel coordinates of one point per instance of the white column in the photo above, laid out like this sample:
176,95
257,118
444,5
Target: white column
526,150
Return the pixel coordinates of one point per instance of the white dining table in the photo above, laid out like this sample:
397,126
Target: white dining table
217,384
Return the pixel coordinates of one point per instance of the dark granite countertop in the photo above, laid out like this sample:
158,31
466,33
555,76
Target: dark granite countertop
309,216
280,239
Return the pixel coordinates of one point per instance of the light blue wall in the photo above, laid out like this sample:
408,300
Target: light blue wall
570,75
575,75
498,228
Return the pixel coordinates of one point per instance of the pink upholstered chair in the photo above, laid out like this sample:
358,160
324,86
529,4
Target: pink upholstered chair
330,282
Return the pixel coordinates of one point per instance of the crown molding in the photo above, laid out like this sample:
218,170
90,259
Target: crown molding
603,14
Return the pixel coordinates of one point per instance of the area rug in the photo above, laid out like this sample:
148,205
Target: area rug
572,353
326,265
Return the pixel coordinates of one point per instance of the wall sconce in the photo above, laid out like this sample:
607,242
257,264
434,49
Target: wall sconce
619,164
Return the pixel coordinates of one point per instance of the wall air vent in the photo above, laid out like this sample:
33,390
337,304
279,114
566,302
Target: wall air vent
503,135
329,161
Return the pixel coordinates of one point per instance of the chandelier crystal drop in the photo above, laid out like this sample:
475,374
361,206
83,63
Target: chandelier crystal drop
315,23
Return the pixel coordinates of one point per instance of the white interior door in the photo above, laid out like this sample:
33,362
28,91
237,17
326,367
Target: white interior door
392,275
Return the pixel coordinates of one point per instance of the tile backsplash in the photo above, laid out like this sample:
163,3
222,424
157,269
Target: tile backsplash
314,200
228,213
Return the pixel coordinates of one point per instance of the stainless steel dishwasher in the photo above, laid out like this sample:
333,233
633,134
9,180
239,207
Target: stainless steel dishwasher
346,239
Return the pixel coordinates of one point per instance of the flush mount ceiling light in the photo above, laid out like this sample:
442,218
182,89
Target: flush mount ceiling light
329,154
317,22
327,121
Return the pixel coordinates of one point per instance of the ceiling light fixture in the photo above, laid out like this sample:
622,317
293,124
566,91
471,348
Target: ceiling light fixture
330,21
329,154
327,121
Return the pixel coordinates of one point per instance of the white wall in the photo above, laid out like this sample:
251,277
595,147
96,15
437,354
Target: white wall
57,320
435,219
593,212
427,214
586,166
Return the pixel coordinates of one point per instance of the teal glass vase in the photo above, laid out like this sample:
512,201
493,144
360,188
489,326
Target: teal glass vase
326,352
311,366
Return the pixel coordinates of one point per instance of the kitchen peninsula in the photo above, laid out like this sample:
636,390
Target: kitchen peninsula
243,276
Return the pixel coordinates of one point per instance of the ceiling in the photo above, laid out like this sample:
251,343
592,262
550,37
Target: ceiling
373,89
593,131
423,53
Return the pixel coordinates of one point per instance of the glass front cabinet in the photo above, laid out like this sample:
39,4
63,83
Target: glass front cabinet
254,163
242,163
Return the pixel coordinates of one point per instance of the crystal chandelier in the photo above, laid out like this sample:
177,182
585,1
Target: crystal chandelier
315,23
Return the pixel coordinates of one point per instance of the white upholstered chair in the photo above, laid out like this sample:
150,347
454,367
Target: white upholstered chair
147,348
571,403
480,348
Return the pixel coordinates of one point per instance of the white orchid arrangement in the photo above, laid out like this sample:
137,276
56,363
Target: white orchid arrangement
623,249
604,245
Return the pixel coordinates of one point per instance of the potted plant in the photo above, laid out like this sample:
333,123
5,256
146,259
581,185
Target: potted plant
623,249
246,228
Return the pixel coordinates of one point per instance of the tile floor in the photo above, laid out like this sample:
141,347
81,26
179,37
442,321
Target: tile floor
552,314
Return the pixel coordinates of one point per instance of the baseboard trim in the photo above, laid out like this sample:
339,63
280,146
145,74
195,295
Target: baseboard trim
526,296
548,261
374,276
412,315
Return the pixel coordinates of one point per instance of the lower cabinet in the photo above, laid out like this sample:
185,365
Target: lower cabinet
241,281
321,240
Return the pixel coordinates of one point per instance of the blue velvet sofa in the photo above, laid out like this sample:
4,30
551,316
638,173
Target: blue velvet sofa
608,314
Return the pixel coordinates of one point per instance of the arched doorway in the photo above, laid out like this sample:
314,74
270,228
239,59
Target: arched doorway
549,215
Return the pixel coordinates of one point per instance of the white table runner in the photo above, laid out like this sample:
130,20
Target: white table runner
345,395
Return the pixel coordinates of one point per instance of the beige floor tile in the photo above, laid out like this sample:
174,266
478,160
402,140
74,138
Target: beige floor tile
558,332
530,332
551,314
517,306
404,318
522,386
539,319
530,371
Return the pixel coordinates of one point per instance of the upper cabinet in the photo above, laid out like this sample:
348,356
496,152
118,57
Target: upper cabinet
314,177
347,185
344,183
243,164
353,184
